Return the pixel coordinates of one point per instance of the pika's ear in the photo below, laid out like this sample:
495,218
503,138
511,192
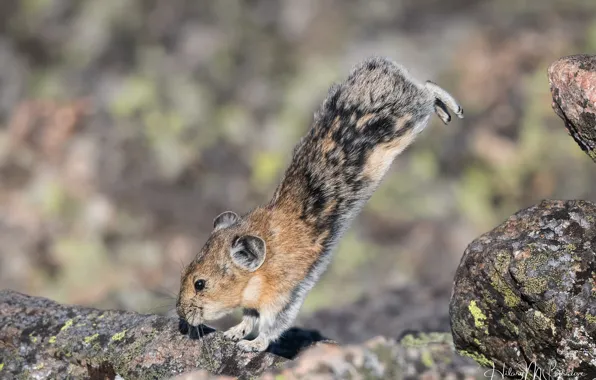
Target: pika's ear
248,252
225,219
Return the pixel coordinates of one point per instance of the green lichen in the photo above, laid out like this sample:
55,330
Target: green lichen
52,340
502,262
479,316
478,358
136,347
427,359
423,339
542,321
118,336
570,247
535,285
530,282
511,327
529,272
591,318
550,308
511,299
33,338
488,298
1,366
90,338
67,325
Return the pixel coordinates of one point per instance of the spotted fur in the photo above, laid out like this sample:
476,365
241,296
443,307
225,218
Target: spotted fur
362,125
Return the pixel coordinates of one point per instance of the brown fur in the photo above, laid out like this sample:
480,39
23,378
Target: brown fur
364,123
288,258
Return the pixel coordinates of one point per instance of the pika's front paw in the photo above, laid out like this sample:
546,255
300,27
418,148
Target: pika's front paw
256,345
236,333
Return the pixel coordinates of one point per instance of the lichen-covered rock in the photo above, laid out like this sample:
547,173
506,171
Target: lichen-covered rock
417,356
524,294
42,339
573,86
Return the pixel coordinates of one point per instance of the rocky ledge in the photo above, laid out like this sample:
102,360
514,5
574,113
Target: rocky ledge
42,339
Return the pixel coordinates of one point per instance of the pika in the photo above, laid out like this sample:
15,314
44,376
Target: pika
267,260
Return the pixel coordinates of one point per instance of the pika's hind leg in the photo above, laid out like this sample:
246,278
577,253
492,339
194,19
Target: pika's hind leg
250,318
444,102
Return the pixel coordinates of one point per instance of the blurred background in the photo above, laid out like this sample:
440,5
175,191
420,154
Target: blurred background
127,126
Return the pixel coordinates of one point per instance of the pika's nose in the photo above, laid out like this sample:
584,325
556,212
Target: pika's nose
183,326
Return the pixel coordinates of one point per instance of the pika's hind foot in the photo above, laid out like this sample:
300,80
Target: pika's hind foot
444,102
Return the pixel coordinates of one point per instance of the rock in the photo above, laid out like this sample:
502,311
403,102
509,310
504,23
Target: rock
42,339
416,356
200,375
391,312
524,295
573,86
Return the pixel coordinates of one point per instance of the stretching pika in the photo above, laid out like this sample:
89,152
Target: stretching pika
267,260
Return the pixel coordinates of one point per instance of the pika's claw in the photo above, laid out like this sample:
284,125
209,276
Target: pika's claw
256,345
444,102
442,112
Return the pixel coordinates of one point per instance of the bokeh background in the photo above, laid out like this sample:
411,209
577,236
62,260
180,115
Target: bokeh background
127,126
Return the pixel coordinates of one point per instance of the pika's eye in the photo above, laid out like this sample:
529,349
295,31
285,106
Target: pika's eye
199,285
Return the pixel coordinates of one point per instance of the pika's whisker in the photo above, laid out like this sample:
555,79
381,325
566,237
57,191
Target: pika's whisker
162,308
162,292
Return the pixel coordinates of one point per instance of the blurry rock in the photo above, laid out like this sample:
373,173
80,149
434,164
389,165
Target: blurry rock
417,356
573,86
201,375
390,313
46,126
525,293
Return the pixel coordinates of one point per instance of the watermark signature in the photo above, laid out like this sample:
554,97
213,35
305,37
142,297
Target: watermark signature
532,372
